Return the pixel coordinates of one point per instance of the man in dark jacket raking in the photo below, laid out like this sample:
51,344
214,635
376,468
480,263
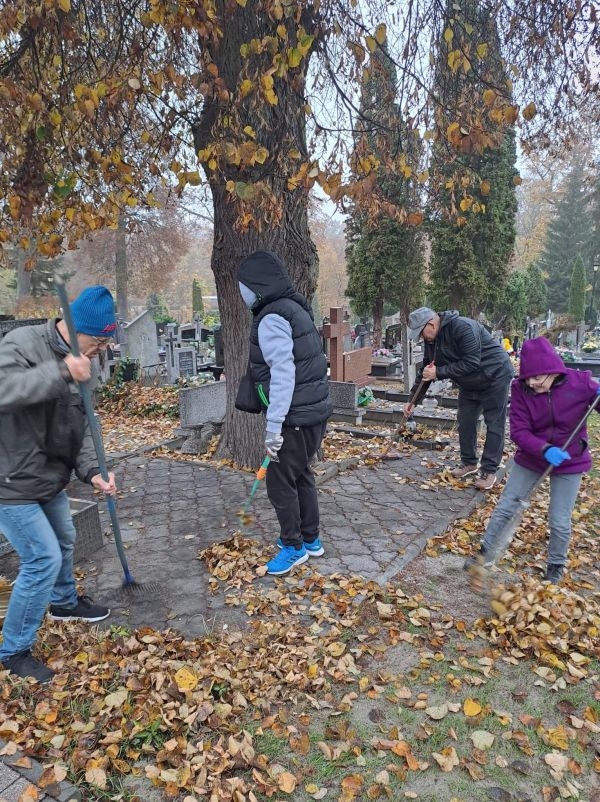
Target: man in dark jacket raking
289,371
44,436
461,349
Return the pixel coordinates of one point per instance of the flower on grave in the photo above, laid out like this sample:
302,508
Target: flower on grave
382,352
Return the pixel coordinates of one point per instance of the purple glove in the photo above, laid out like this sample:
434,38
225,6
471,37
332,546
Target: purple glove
555,456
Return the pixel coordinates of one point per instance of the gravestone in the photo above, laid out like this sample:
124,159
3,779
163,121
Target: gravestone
345,366
170,341
185,359
201,412
409,365
346,369
140,342
219,349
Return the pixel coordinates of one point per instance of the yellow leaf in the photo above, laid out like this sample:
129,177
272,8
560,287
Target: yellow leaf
482,50
381,33
193,177
54,118
371,43
185,679
246,87
529,111
241,3
489,96
448,35
485,187
471,707
64,5
453,133
294,57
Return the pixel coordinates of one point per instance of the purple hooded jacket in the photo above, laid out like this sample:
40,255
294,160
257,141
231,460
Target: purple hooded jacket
539,420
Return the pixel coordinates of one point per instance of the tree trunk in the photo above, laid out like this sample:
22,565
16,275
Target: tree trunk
121,271
23,269
279,128
377,318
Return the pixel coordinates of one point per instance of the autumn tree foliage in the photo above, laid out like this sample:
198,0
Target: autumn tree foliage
104,101
137,257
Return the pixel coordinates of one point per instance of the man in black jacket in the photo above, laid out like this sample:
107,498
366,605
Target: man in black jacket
289,371
461,349
44,436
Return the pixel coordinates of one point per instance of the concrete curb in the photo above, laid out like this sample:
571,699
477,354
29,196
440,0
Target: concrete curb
14,780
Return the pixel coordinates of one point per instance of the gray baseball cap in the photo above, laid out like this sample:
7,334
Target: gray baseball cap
417,321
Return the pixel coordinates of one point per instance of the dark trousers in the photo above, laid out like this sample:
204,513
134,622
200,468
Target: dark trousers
291,484
493,402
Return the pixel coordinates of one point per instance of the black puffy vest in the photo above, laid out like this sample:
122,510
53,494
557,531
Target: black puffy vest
310,401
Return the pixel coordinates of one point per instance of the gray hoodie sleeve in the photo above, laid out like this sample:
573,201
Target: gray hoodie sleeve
277,346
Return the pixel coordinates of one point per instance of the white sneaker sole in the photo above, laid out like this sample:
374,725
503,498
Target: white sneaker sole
77,618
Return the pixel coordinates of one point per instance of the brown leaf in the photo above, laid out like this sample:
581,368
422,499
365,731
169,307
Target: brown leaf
499,794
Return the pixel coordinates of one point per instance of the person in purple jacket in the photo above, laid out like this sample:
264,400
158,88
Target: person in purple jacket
547,402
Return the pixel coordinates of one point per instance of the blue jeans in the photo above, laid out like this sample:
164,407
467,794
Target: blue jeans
563,494
43,535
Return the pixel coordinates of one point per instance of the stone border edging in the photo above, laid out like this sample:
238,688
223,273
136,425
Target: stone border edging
62,792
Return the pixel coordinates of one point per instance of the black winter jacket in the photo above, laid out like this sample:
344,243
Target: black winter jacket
465,352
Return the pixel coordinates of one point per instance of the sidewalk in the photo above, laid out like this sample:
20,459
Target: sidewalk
375,521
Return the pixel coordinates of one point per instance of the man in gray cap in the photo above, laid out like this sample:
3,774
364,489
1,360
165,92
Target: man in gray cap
462,350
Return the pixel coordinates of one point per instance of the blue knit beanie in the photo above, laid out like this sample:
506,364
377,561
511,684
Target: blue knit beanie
94,312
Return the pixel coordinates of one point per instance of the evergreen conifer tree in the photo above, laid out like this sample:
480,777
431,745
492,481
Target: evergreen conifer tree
577,291
569,234
384,256
472,220
197,300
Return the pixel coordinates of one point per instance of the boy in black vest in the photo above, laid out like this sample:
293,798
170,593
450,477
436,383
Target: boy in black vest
289,370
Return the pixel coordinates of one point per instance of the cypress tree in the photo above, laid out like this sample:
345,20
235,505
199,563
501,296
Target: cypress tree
474,203
537,294
197,300
384,256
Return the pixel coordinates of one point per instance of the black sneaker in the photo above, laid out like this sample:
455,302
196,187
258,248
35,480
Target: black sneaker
24,665
554,573
481,558
84,610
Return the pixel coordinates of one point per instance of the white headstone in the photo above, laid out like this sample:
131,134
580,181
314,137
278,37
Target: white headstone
140,341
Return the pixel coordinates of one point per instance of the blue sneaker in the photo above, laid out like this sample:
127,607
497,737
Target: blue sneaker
314,549
287,558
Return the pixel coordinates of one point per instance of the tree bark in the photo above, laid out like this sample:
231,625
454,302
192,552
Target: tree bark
377,318
279,128
121,270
